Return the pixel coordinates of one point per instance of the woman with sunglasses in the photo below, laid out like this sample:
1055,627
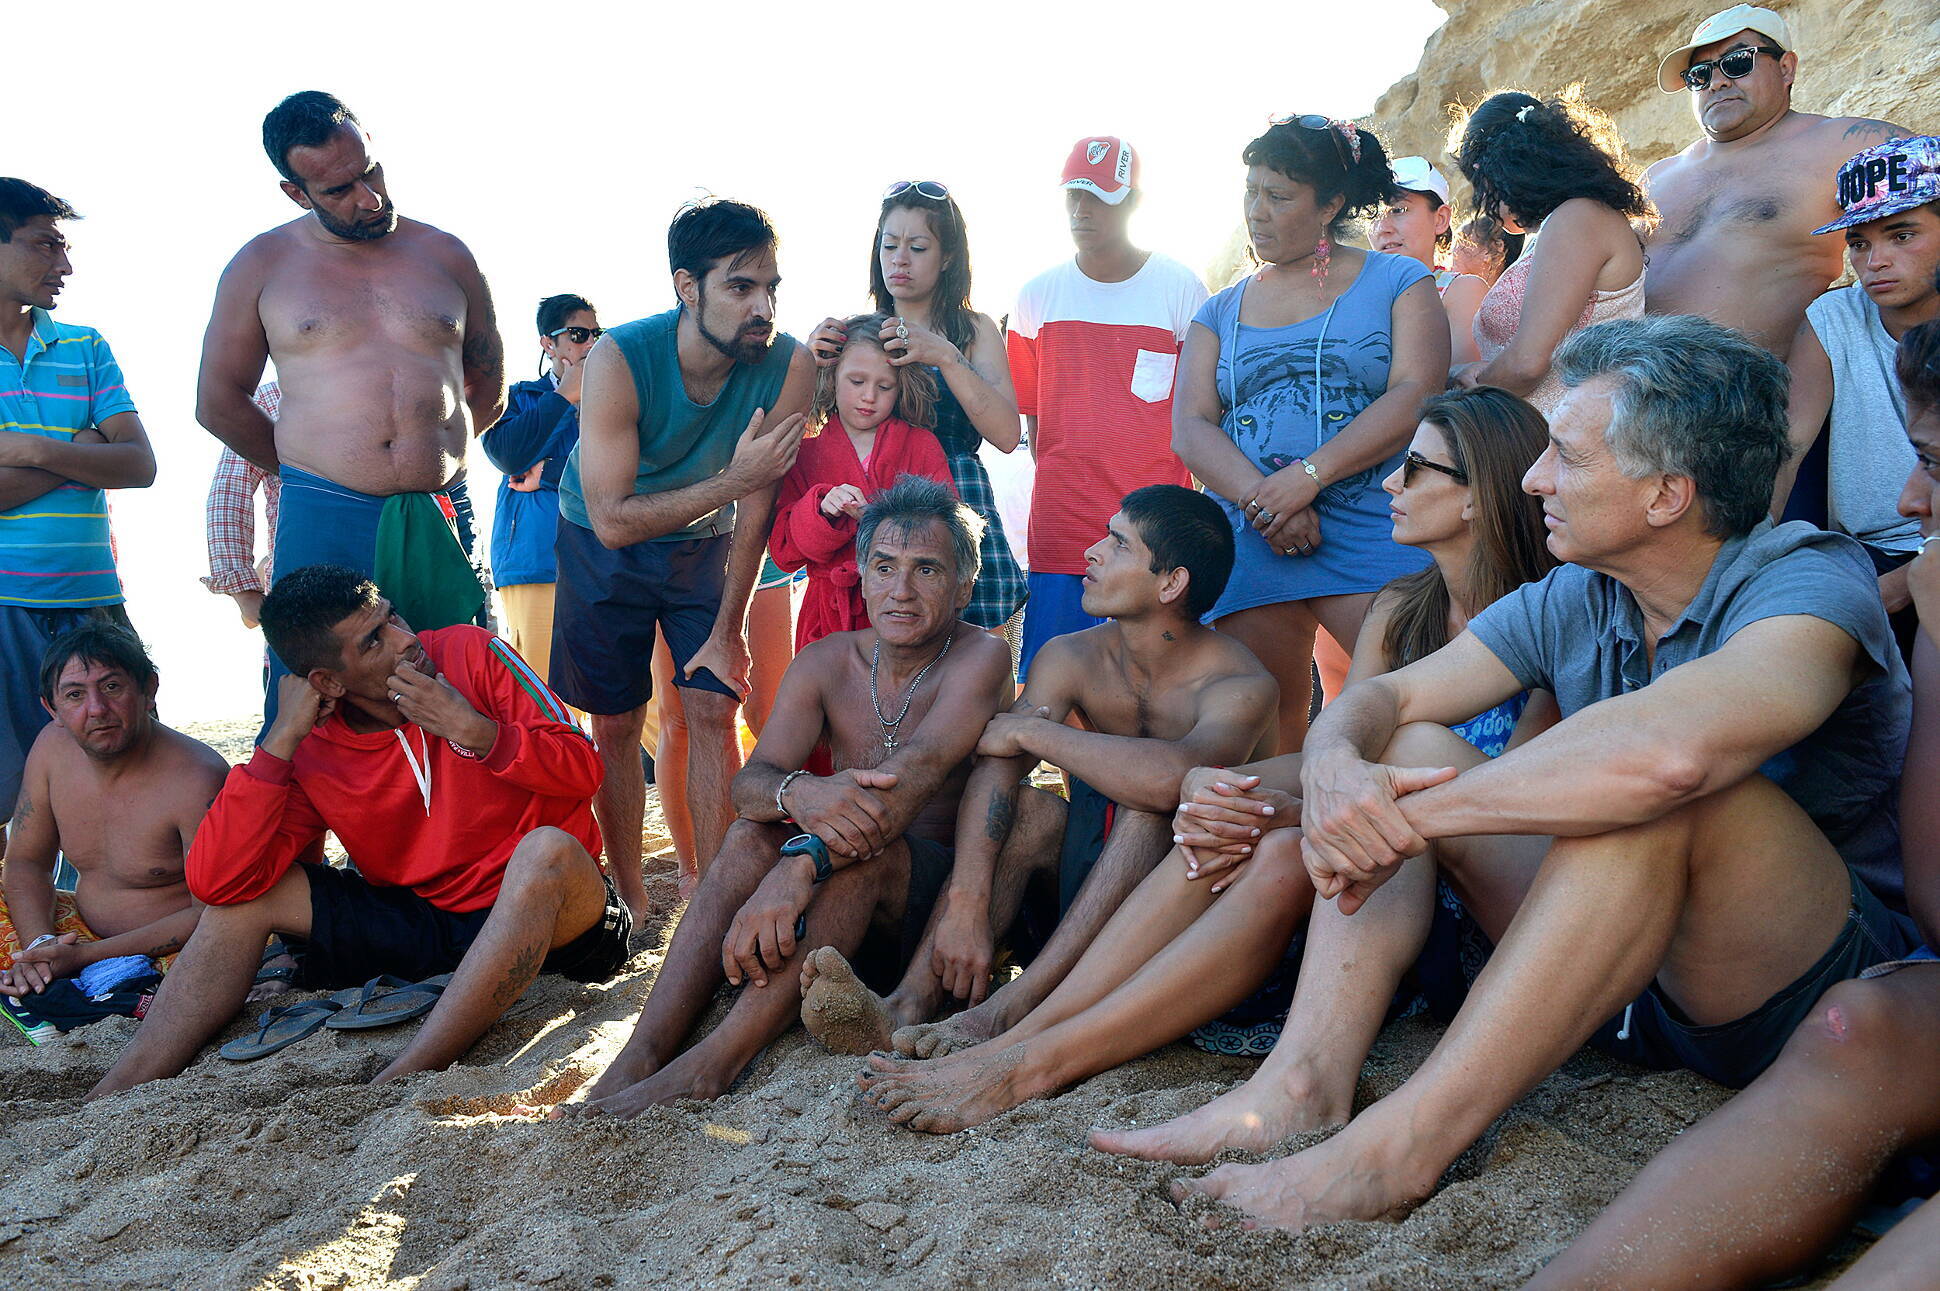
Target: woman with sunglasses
1455,496
1297,393
1418,221
1550,166
919,276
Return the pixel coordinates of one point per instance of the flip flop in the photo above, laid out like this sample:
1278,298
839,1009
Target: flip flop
279,1028
387,1000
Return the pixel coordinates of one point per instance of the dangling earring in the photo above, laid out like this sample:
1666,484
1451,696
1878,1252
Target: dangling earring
1323,250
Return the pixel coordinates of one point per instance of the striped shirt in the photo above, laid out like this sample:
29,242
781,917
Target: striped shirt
55,551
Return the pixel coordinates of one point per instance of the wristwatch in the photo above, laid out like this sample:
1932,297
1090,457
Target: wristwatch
815,850
1312,472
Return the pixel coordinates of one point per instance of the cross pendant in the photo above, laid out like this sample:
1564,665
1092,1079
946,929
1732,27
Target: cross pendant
889,742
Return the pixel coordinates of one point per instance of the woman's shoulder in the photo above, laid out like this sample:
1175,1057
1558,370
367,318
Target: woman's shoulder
1397,273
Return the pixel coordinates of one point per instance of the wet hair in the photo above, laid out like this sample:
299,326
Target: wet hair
713,229
915,384
1494,438
103,644
1692,399
21,201
913,502
950,311
304,607
1486,231
306,119
555,310
1184,530
1528,156
1324,161
1917,363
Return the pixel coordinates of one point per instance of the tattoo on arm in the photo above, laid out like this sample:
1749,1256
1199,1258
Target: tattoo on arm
484,353
523,970
1872,126
23,810
168,947
1002,814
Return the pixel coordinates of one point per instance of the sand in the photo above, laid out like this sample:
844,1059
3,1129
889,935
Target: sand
292,1173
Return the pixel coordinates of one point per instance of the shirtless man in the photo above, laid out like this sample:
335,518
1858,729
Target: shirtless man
120,795
1734,242
1126,709
879,824
382,333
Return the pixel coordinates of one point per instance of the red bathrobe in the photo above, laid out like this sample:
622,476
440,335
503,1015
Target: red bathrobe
803,536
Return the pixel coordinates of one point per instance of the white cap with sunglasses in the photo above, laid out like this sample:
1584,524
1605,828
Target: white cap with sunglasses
1722,26
1418,175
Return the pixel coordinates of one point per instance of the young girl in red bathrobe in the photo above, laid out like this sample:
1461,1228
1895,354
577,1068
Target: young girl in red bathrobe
869,422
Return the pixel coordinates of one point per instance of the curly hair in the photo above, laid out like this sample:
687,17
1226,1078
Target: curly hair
915,384
1527,156
1324,161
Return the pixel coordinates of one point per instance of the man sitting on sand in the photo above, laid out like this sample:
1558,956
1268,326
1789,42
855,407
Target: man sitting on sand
1672,870
460,788
901,704
1154,694
120,795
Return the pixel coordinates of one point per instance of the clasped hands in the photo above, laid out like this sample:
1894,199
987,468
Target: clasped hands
1354,833
1281,509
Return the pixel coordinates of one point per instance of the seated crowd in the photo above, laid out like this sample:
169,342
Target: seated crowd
1619,756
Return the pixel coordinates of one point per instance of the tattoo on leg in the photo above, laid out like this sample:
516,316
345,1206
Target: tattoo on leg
1002,814
523,970
1167,634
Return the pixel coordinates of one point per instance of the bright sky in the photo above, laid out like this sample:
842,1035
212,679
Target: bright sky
557,141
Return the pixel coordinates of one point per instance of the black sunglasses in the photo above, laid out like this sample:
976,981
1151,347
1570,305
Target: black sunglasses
1415,461
579,335
1736,64
1315,121
929,188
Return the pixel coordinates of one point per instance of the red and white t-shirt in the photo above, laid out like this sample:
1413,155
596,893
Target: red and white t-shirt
1093,362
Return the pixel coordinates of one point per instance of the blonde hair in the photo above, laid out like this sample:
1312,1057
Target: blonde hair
915,384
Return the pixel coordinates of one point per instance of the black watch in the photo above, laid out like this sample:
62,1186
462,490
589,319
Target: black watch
815,850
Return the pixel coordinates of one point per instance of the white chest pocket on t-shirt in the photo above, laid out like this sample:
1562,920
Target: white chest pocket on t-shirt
1152,375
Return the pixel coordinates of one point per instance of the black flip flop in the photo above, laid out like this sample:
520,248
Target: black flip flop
279,1028
386,1001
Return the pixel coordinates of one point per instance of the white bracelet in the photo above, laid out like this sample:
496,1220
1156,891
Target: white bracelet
40,941
781,808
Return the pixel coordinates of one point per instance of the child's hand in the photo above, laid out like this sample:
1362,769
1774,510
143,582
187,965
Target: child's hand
844,499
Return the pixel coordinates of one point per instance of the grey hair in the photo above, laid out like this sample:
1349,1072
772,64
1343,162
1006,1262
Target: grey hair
914,502
1692,398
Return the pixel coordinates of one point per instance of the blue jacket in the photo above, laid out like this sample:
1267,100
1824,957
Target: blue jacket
538,426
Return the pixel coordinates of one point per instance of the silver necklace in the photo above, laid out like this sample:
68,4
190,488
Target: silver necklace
890,725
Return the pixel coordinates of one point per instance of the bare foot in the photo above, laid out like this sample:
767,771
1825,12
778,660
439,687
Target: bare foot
959,1031
686,881
1343,1178
625,1072
1250,1118
691,1075
838,1010
945,1098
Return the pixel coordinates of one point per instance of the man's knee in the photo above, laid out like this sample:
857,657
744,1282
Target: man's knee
709,710
750,847
1863,1032
617,731
1427,744
548,856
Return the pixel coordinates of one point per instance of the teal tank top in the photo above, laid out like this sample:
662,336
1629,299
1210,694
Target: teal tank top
682,442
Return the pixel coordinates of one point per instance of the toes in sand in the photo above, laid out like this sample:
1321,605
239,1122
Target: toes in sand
838,1010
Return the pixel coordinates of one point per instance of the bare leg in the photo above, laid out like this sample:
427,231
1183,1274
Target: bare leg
1226,953
771,645
670,769
1282,637
838,916
1340,627
551,893
621,803
713,756
206,986
1772,1178
1724,902
1347,979
1903,1260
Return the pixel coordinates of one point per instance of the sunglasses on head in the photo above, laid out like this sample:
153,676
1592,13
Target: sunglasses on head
929,188
579,335
1736,64
1415,461
1342,133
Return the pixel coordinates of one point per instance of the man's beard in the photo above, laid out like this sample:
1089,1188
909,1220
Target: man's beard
745,347
359,232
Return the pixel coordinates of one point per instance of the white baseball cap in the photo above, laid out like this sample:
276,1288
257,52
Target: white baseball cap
1418,175
1721,26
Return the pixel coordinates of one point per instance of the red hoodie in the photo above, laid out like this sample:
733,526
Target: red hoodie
541,770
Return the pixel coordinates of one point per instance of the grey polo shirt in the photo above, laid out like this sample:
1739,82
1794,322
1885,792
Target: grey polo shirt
1580,635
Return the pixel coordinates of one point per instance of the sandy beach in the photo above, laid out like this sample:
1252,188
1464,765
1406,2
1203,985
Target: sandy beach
292,1173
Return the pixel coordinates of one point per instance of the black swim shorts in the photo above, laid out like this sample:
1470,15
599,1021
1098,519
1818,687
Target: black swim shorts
359,930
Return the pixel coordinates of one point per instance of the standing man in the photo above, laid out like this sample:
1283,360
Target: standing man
388,355
682,416
1842,361
1738,207
1093,344
68,430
